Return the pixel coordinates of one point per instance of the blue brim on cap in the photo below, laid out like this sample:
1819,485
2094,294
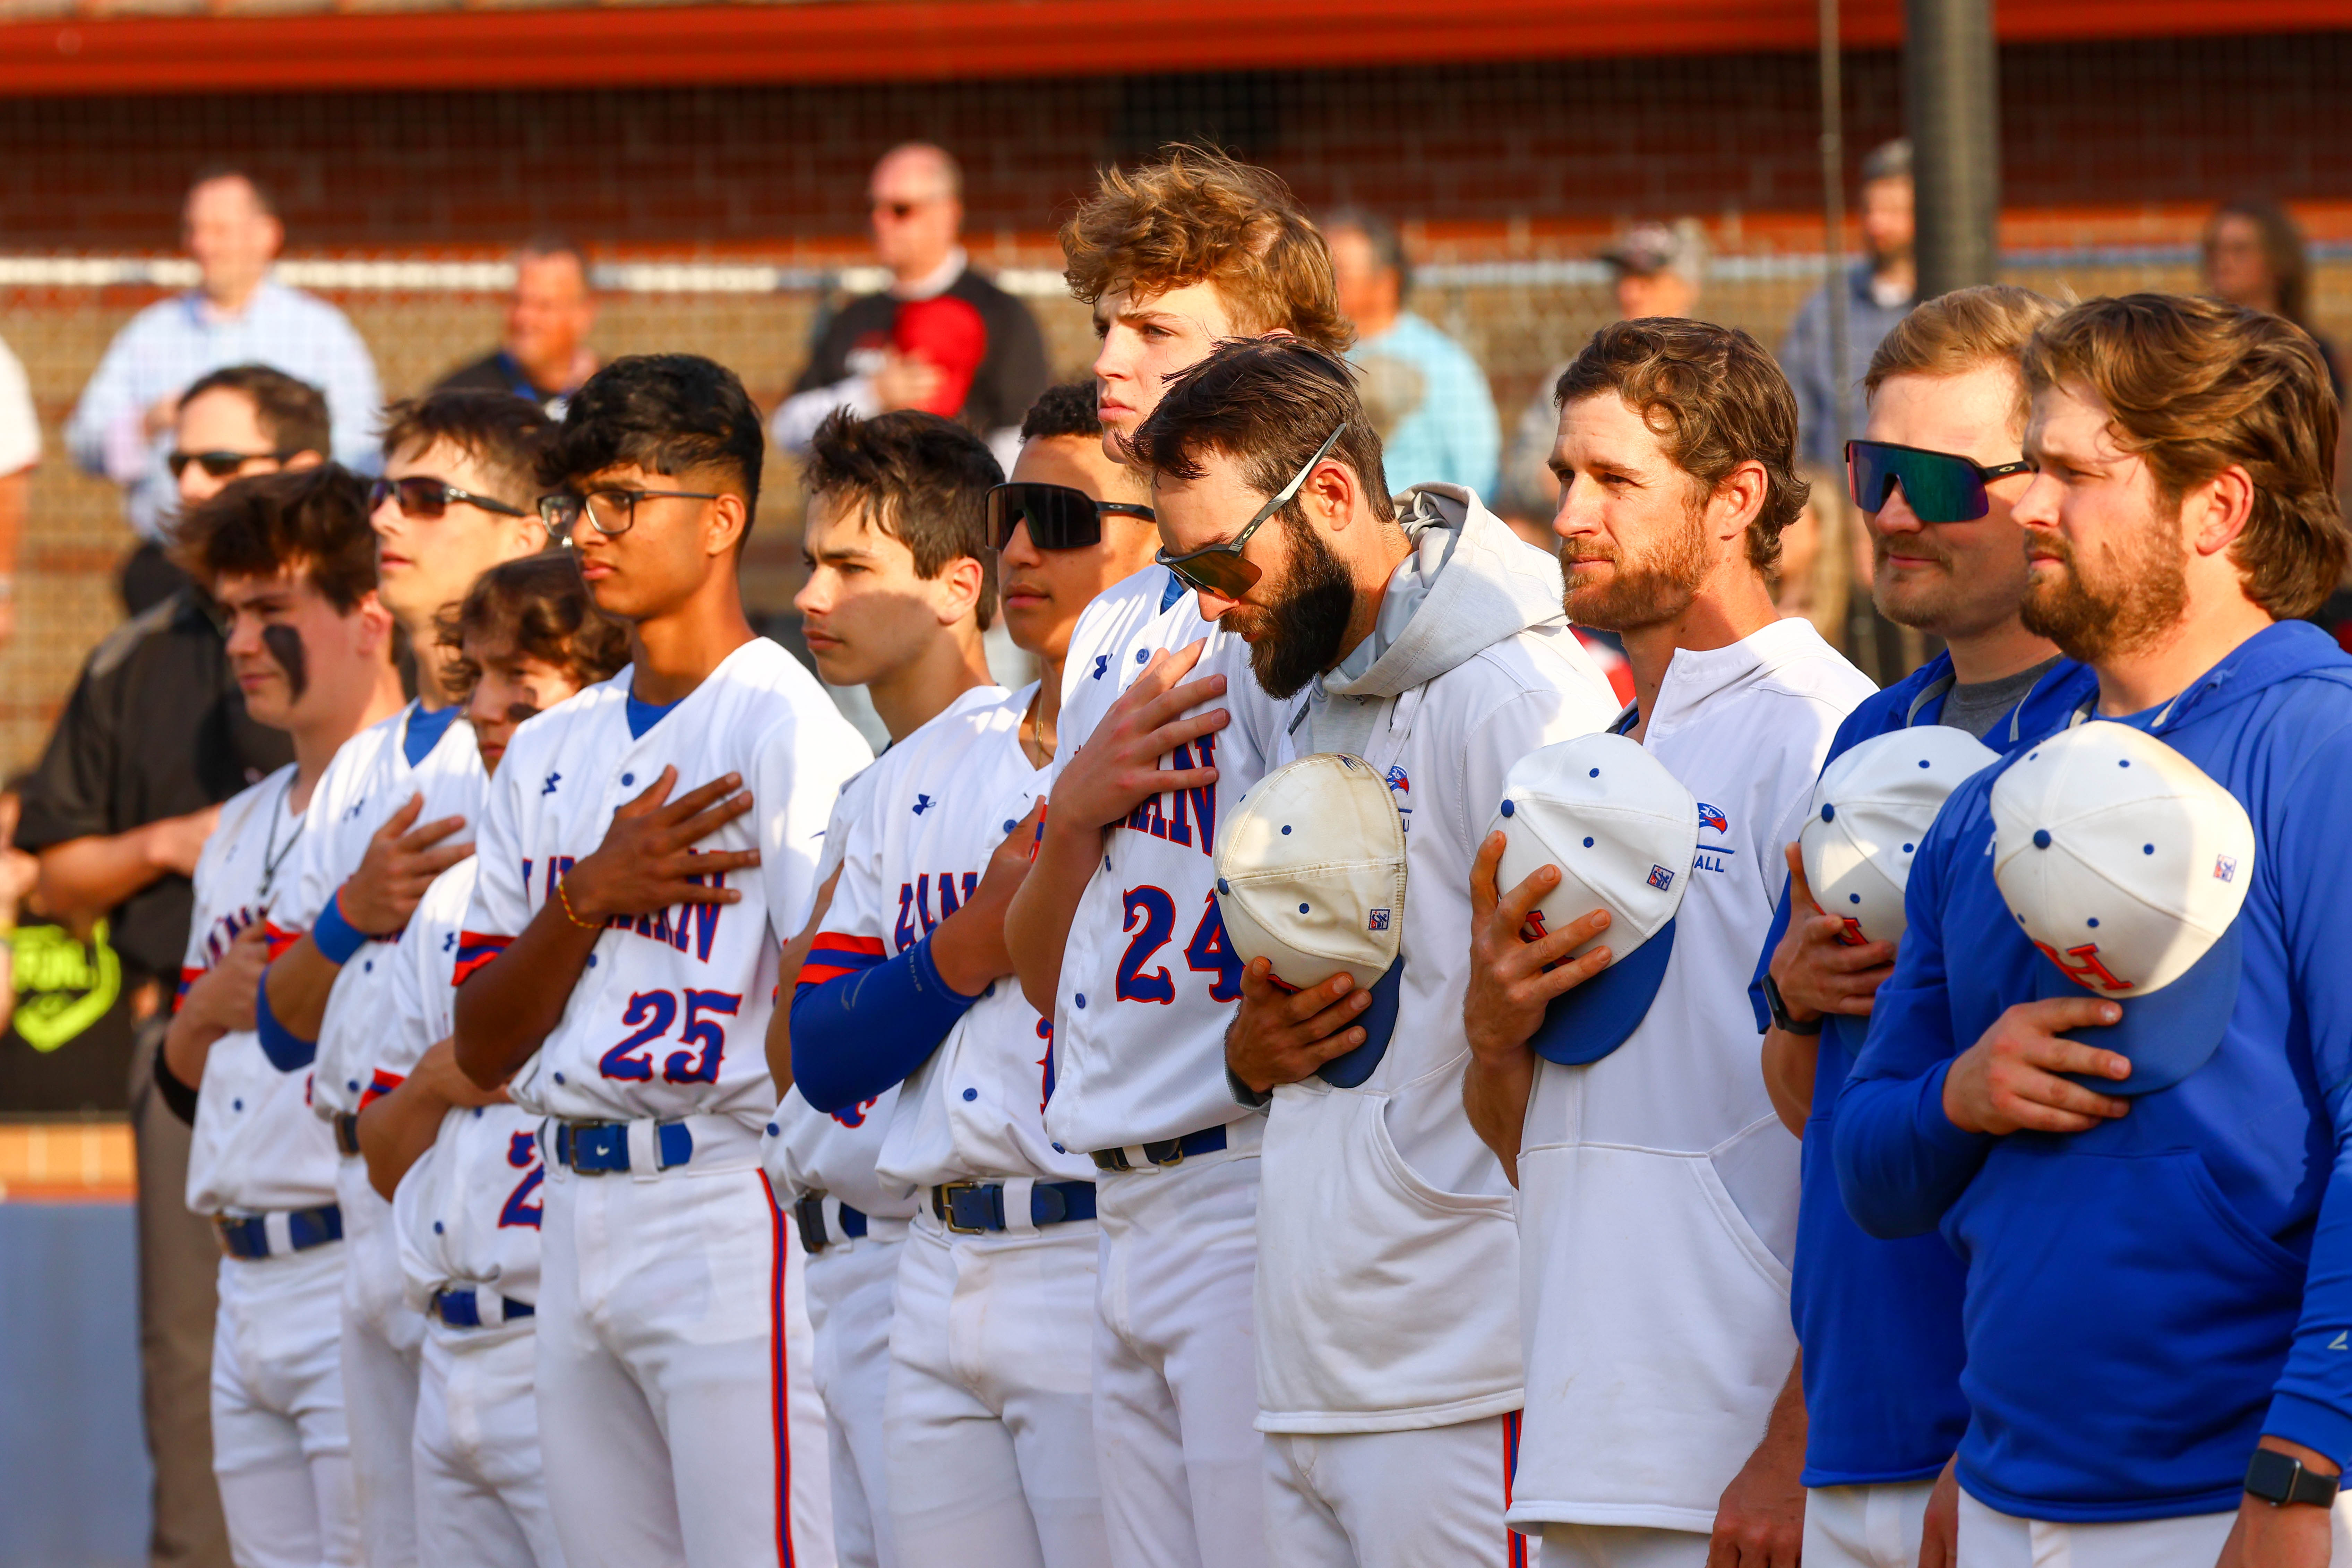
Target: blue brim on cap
1588,1022
1378,1023
2167,1035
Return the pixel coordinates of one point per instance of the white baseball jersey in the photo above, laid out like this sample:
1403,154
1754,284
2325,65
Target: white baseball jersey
1149,983
806,1151
669,1017
941,801
1658,1189
370,779
256,1147
467,1213
1110,621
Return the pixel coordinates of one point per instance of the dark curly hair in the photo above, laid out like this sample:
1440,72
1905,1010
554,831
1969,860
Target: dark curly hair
312,521
668,414
539,608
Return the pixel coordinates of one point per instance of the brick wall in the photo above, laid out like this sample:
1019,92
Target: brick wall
2081,125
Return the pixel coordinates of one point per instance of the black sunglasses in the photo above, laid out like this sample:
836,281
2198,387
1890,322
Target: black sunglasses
1219,569
222,465
1059,517
611,512
425,498
1939,487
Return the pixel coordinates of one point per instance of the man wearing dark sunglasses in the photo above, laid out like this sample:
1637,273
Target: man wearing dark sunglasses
1935,476
455,501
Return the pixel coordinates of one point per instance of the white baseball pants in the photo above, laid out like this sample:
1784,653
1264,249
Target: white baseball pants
481,1497
1865,1526
280,1449
679,1422
991,1411
1394,1500
1991,1539
1181,1464
384,1340
850,1286
1621,1546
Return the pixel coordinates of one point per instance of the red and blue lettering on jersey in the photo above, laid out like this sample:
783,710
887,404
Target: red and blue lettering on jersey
669,1016
257,1145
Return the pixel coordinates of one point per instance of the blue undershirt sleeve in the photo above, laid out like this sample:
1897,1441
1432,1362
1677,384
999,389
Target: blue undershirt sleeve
857,1034
286,1051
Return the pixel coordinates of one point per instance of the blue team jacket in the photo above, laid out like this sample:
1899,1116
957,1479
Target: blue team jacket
2146,1300
1880,1320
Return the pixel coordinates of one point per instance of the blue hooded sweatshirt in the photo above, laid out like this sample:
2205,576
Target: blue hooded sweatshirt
1880,1320
2148,1298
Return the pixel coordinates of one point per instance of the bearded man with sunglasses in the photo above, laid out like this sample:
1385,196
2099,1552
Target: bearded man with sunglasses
1878,1321
455,501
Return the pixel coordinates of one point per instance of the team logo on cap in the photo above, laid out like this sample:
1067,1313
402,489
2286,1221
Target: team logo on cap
2225,867
1377,920
1661,878
2086,970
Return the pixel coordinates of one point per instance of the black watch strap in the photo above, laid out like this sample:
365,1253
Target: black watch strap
1781,1019
2280,1478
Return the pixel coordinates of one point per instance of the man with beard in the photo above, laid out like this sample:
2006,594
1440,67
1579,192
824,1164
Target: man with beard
1431,644
2158,1286
1174,256
1879,1321
1657,1214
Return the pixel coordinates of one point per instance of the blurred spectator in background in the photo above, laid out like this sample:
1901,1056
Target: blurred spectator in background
2255,257
543,353
1655,270
154,737
19,874
234,315
941,338
1880,291
20,448
1426,396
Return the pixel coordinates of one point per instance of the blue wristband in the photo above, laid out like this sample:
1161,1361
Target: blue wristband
333,935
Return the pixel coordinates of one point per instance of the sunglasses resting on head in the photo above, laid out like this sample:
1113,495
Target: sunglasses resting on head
1938,487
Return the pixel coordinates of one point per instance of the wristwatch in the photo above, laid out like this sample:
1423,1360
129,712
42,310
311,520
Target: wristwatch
1780,1005
2277,1478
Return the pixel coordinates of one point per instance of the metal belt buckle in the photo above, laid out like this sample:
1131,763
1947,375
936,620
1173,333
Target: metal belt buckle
347,1133
944,1206
808,1213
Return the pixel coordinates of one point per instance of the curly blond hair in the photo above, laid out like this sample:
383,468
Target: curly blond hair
1197,216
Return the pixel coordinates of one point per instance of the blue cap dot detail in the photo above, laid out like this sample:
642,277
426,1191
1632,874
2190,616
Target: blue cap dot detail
1854,898
237,1105
1923,762
353,1084
1141,656
591,960
1059,1150
1907,848
1286,830
1508,809
1593,774
1588,843
628,778
1829,812
2125,763
559,1077
2093,922
970,1095
436,1228
1302,908
2041,838
1081,999
1223,885
2148,848
772,1129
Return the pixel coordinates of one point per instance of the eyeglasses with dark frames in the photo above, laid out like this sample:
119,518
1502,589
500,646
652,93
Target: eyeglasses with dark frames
611,511
426,499
222,465
1220,569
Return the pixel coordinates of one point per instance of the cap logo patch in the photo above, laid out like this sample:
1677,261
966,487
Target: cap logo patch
1377,920
1661,878
1850,934
2085,970
1532,928
2225,867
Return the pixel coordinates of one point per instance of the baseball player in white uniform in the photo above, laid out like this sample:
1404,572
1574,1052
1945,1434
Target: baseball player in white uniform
455,500
648,849
289,558
461,1165
1658,1223
989,1409
894,603
1429,642
1114,931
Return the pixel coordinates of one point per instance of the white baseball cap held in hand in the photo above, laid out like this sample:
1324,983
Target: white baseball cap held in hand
2128,866
1622,830
1870,810
1310,876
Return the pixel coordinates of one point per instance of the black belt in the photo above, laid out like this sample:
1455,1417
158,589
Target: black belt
463,1309
247,1236
1165,1152
601,1148
968,1208
808,1213
347,1133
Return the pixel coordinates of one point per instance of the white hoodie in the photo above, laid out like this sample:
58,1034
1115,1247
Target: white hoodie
1387,1251
1657,1189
